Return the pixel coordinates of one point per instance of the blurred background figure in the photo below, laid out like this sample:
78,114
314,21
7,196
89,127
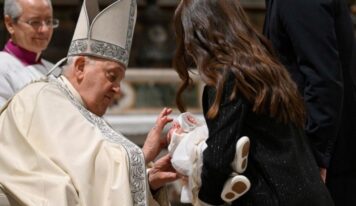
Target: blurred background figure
30,24
316,43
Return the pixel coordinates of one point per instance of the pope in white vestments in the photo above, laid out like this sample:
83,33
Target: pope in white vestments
53,151
56,150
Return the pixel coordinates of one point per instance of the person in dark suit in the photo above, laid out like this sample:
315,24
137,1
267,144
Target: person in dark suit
314,40
247,93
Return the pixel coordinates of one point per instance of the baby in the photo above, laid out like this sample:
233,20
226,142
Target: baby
187,138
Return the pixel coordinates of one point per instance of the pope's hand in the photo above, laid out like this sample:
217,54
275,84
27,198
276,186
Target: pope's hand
154,143
161,173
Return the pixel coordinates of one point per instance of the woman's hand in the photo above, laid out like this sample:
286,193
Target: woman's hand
154,143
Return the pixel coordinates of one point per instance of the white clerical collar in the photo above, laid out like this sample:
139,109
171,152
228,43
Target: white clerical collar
72,89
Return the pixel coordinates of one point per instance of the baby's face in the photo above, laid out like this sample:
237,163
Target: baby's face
192,120
175,128
182,124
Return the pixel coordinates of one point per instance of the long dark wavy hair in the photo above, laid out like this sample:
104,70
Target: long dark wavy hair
219,38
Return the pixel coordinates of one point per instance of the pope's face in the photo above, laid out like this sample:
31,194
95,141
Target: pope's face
31,38
100,84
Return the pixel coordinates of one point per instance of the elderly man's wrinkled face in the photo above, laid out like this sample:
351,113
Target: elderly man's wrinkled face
100,82
25,30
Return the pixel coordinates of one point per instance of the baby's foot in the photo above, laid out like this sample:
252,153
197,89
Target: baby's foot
239,163
235,187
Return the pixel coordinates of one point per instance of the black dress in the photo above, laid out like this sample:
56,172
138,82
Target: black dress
281,167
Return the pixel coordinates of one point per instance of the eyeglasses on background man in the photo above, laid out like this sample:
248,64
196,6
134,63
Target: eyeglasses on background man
37,23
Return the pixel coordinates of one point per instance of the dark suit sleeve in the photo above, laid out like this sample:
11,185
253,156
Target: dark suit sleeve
224,131
310,26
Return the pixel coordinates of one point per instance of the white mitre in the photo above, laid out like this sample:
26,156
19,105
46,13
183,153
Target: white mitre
106,34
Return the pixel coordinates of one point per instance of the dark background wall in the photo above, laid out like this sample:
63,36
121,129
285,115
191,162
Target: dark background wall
153,43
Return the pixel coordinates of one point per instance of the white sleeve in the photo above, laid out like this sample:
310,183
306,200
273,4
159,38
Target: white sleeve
6,90
33,169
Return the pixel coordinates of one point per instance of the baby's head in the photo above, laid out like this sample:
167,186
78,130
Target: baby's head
184,123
